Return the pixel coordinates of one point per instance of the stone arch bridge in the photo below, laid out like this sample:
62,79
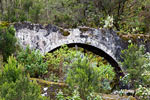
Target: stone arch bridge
48,38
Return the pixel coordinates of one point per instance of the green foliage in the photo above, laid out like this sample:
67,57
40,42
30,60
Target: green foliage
129,16
60,96
132,56
60,61
94,96
35,11
7,41
56,62
54,59
27,4
80,69
89,78
76,96
33,62
146,70
14,85
134,17
143,93
11,71
125,81
136,65
22,89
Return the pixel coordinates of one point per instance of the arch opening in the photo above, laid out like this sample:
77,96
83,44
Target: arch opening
99,52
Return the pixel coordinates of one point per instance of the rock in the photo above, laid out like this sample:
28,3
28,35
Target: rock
124,92
129,92
117,97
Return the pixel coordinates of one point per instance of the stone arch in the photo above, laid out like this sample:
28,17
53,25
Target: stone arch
48,38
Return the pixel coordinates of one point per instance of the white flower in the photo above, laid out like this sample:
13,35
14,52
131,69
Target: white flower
109,22
44,94
45,88
130,41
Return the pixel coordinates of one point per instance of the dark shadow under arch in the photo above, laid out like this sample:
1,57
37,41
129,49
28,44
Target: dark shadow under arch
99,52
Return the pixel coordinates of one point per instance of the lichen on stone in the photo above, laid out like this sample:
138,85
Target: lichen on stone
64,32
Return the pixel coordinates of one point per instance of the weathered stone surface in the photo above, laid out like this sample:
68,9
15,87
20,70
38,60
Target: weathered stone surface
48,38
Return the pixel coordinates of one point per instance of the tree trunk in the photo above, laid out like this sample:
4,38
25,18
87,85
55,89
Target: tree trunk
1,59
1,7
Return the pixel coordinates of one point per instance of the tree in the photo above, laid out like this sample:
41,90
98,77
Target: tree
15,85
134,59
88,78
7,41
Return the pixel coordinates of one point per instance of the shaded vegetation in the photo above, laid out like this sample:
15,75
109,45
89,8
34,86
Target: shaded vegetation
129,16
7,41
14,85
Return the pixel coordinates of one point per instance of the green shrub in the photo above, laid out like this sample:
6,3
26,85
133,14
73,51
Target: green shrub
143,93
60,96
82,69
133,64
146,71
33,62
76,96
7,41
89,78
11,71
94,96
14,85
60,60
1,98
22,89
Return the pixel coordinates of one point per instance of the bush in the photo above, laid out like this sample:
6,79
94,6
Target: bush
146,71
7,41
11,71
89,78
94,96
14,85
76,96
143,93
22,89
60,61
33,62
135,65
